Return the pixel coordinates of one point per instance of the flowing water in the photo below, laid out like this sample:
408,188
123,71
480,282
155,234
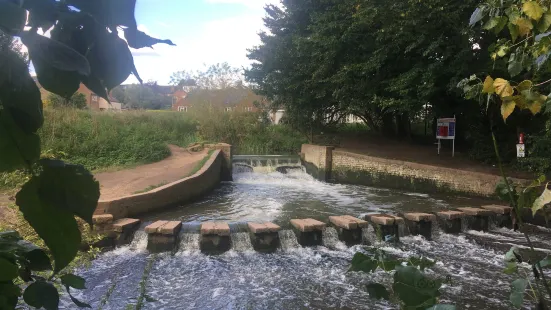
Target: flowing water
296,277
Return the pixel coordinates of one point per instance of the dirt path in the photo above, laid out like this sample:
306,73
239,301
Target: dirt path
126,182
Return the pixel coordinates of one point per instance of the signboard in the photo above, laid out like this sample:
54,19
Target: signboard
445,130
521,151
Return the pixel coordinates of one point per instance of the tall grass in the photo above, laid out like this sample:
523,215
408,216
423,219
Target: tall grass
104,139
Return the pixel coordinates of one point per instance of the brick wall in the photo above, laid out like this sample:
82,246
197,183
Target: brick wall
373,171
317,160
169,195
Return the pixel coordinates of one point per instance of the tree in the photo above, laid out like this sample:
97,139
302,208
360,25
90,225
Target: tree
83,47
381,61
9,43
217,76
138,96
77,101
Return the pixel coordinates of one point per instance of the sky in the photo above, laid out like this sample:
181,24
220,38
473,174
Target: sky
205,32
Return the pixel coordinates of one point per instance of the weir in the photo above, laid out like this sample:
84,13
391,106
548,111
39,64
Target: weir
266,163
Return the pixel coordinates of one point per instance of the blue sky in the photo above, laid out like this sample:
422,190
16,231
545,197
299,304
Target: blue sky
205,32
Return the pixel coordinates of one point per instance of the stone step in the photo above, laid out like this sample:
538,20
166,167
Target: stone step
169,228
102,219
418,217
215,228
475,211
154,227
125,224
348,222
503,210
450,215
385,219
267,227
306,225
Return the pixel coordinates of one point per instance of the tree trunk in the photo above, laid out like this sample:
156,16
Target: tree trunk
388,128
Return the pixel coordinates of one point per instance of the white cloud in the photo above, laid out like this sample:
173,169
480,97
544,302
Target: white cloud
249,3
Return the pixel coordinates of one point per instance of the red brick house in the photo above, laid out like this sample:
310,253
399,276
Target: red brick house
240,99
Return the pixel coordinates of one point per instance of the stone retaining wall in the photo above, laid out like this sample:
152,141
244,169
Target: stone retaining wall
354,168
171,194
317,160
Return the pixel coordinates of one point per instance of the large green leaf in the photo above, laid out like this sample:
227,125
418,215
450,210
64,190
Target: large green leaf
37,259
56,225
515,65
109,12
546,262
542,200
477,15
42,294
55,53
422,263
11,293
73,281
62,83
19,93
415,289
544,23
377,291
18,148
8,270
12,17
96,85
42,13
513,255
518,287
138,39
362,262
70,187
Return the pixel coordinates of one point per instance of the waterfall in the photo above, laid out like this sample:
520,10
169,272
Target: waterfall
493,221
189,242
139,242
367,237
403,229
288,240
330,239
435,229
241,242
465,223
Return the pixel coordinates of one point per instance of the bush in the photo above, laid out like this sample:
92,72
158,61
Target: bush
77,101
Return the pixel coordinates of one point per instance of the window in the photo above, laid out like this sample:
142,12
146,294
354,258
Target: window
228,109
94,98
182,109
249,109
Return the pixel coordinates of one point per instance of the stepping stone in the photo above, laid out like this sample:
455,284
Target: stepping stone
385,219
125,224
348,222
450,215
307,225
258,228
475,211
386,225
264,236
418,217
215,237
478,218
162,236
171,228
498,209
102,219
308,231
349,228
152,228
215,228
420,224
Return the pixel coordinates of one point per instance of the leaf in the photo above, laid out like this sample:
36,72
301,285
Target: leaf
42,13
524,26
546,262
42,294
55,53
501,24
12,17
19,93
11,293
524,85
541,60
73,281
488,87
79,303
70,187
544,23
510,268
532,9
518,287
534,101
377,291
542,200
507,108
8,270
421,263
364,263
414,289
503,88
94,84
442,307
502,50
18,148
477,15
109,12
37,258
514,31
515,66
513,255
55,225
138,39
491,23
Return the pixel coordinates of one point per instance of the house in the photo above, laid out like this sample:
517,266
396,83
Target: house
95,102
238,99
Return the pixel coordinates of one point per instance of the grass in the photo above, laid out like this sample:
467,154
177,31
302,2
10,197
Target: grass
199,165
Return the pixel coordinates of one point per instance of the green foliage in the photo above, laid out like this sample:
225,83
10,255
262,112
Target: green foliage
77,101
415,290
84,47
217,76
144,96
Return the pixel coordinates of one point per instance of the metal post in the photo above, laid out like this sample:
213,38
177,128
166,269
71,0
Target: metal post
439,146
453,147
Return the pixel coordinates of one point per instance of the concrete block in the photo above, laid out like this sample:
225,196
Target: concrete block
215,228
503,215
157,243
348,228
154,227
420,224
125,224
450,215
102,219
385,219
308,231
386,226
475,211
308,225
498,209
418,217
267,242
257,228
171,228
450,221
